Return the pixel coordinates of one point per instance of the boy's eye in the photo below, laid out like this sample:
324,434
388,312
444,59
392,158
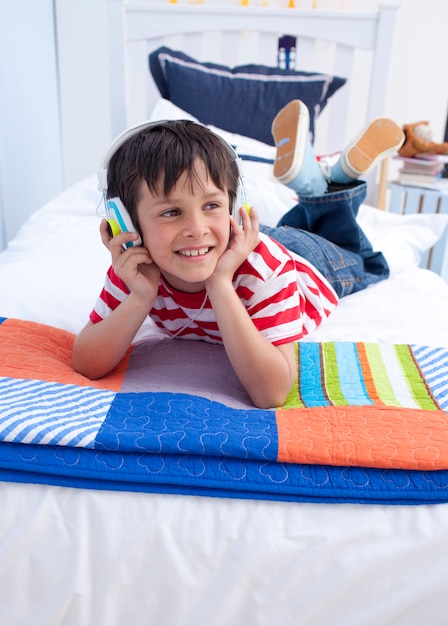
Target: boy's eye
170,213
173,212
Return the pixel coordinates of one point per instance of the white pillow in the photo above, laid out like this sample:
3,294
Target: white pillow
166,110
403,239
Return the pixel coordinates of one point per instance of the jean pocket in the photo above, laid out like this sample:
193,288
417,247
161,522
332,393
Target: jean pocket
338,258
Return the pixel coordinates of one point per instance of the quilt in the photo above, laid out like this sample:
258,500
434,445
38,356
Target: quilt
364,422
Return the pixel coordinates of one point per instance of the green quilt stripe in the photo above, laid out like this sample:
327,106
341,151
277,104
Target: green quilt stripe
413,377
380,376
293,400
331,375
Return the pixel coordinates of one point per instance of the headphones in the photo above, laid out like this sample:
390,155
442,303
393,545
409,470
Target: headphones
116,213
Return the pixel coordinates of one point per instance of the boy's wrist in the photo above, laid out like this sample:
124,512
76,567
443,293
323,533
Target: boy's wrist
219,283
137,301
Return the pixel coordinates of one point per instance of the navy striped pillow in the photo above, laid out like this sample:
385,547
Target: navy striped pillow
243,99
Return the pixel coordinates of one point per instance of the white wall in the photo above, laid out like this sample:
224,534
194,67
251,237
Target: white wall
30,164
30,159
418,89
83,27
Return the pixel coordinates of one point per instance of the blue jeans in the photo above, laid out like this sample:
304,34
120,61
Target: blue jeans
324,230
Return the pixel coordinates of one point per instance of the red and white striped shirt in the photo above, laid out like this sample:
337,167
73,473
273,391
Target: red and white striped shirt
286,297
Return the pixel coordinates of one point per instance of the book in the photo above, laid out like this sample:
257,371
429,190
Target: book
423,170
414,168
418,178
423,159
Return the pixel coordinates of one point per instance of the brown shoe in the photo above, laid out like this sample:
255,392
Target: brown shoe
295,164
380,139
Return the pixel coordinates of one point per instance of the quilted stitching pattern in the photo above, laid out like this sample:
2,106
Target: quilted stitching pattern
363,422
171,423
80,467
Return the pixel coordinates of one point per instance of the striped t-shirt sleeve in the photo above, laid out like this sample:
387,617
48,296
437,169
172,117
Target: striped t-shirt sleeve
112,294
285,295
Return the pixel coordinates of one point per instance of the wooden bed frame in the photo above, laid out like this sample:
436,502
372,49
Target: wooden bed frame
354,45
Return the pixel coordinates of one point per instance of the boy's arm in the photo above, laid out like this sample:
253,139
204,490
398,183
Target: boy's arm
100,347
267,372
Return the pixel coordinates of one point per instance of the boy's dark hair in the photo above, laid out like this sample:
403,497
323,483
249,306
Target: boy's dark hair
160,154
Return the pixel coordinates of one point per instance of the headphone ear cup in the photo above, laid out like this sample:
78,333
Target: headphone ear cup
114,228
120,221
236,204
240,200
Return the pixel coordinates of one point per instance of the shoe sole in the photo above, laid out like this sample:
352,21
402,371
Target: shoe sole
290,143
381,138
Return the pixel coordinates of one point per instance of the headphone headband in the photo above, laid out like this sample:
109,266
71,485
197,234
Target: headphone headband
117,143
134,130
240,198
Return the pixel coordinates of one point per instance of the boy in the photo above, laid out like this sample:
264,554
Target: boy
200,274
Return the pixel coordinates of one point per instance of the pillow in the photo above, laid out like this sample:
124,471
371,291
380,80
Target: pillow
403,239
243,99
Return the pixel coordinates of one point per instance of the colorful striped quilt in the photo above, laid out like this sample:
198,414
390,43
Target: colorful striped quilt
363,422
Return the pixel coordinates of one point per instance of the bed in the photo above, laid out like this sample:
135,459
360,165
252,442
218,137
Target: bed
174,501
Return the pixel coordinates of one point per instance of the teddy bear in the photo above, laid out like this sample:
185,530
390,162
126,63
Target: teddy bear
418,140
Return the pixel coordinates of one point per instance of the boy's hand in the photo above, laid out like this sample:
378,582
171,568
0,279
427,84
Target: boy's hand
243,240
133,265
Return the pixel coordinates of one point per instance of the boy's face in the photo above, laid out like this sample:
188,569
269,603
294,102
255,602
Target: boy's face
187,231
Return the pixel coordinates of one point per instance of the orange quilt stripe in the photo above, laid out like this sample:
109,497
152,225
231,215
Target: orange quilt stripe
367,374
367,436
37,352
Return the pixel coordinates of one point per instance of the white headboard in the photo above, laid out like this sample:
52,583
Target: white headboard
354,45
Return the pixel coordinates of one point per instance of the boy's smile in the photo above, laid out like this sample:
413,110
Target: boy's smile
186,232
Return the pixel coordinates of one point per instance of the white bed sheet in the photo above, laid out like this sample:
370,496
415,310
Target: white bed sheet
74,556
